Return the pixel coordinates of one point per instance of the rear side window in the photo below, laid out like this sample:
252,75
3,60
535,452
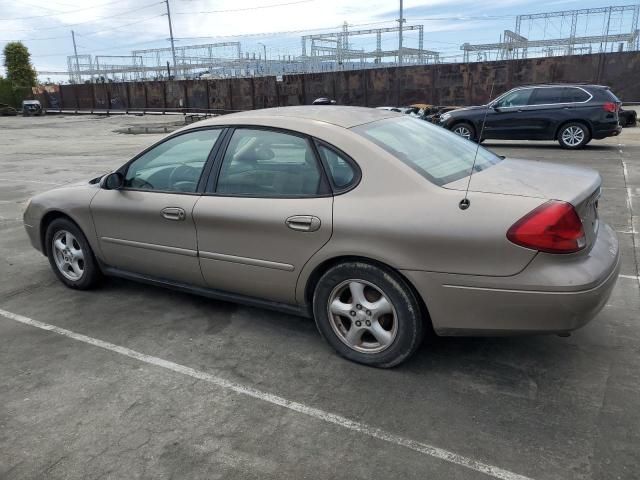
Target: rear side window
265,163
547,96
611,96
342,172
572,95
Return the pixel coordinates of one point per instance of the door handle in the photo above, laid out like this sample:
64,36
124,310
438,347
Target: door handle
173,213
303,223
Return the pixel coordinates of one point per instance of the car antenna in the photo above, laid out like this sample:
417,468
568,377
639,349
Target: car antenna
465,202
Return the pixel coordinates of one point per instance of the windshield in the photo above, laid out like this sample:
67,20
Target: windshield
435,153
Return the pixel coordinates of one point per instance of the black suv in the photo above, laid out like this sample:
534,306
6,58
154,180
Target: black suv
571,114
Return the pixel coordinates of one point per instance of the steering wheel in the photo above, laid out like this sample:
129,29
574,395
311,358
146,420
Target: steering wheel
183,178
141,184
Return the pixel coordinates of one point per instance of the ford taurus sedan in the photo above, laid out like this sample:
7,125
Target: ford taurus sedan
357,217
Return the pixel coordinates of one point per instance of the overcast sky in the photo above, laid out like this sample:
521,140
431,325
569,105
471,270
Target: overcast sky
115,27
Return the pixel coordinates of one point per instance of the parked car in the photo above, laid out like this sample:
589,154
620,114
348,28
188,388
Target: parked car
32,107
6,110
323,101
628,118
438,111
350,215
571,114
391,109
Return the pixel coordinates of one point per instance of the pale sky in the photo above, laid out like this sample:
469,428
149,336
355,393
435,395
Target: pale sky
115,27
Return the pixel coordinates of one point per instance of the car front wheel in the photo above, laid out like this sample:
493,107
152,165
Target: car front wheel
573,136
368,314
70,255
464,130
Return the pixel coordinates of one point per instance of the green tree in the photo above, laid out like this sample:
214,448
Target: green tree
20,73
6,92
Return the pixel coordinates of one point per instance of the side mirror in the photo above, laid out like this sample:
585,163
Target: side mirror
113,181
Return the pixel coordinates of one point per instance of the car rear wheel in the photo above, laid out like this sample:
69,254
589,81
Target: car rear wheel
368,314
464,130
70,255
573,136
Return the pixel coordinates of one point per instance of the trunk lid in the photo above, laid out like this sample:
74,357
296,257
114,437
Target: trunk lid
547,181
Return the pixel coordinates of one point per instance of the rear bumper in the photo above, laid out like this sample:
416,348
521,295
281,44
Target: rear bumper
551,295
611,131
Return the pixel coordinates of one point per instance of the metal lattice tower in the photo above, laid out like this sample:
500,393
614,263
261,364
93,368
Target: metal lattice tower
335,47
515,45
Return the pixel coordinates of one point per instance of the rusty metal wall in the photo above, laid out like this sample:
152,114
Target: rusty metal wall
197,96
101,96
118,96
137,95
220,95
444,84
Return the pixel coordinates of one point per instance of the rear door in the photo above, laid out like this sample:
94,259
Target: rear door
267,210
147,226
548,108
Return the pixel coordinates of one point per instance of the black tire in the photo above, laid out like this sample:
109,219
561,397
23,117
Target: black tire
461,126
91,273
569,141
407,313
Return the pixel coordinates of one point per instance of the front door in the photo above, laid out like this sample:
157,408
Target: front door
268,213
508,117
147,226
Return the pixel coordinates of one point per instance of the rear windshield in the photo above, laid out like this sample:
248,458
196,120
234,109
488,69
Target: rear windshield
612,96
435,153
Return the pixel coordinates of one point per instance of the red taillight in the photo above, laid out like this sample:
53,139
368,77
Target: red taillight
553,228
610,107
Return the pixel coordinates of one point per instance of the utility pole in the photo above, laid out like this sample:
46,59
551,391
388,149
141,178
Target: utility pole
173,48
401,20
75,52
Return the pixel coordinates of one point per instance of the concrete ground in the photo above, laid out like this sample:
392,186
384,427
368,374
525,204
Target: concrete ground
188,387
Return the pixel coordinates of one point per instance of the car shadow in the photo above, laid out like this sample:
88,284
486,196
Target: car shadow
547,146
437,355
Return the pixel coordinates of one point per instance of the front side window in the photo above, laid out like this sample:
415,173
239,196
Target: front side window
517,98
342,172
437,154
548,96
266,163
174,165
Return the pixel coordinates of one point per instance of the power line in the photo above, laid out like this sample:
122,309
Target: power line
106,49
92,33
247,8
60,13
119,14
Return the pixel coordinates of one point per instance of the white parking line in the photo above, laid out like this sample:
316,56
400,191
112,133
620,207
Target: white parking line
632,277
316,413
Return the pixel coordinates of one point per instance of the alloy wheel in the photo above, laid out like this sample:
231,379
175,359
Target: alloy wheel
68,255
463,131
573,136
362,316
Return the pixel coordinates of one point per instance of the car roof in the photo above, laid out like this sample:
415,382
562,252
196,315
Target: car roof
341,116
583,85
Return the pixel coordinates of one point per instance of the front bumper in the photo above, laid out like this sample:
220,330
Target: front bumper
553,294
